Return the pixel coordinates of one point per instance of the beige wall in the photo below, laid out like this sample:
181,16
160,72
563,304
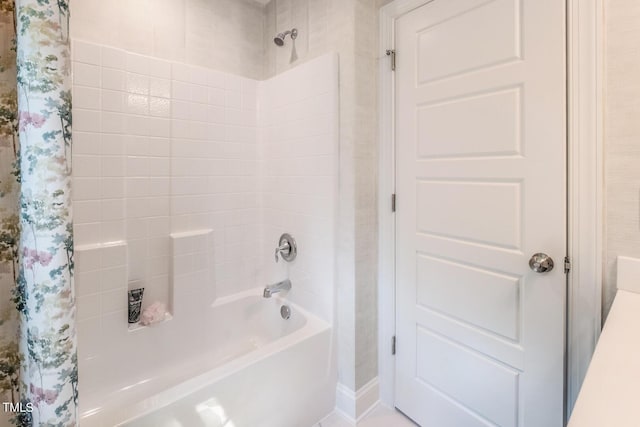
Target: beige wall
622,137
221,34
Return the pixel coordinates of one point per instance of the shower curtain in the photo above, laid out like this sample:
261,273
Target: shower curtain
38,362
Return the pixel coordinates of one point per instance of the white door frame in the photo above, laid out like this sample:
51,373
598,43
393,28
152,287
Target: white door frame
584,193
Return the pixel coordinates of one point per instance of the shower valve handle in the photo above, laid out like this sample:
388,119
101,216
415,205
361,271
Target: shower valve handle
287,248
283,249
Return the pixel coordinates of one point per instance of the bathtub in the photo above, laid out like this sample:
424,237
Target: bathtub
255,369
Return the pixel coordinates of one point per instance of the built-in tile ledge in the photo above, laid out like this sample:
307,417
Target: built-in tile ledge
193,233
138,327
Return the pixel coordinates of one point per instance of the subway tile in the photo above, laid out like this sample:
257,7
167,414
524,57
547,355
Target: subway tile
86,97
113,58
113,101
160,87
86,75
199,93
86,188
137,166
113,79
86,143
86,166
159,68
87,258
138,64
88,282
113,255
111,188
159,127
159,147
112,122
159,107
136,125
112,144
112,210
112,166
112,231
113,301
233,99
86,211
137,84
180,91
86,120
181,72
89,337
85,52
88,306
180,110
136,145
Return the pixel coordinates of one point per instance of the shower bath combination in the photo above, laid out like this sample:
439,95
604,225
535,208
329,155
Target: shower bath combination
279,41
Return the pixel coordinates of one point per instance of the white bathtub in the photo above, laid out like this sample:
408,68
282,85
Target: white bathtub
255,369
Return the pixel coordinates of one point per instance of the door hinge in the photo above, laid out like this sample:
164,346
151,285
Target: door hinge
393,345
392,54
567,265
393,202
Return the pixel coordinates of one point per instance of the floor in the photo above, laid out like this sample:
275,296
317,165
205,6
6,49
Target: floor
381,416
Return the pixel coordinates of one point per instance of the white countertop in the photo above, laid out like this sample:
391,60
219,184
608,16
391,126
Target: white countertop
610,394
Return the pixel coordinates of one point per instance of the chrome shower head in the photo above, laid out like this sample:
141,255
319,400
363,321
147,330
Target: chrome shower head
279,38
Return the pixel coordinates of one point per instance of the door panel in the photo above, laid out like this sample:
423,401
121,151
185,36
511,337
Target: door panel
480,181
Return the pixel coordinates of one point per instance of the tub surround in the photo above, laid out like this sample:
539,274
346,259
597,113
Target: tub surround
609,394
185,178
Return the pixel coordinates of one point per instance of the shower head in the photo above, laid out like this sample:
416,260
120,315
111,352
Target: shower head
279,38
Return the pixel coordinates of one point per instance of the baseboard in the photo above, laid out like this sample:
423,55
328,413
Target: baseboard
355,405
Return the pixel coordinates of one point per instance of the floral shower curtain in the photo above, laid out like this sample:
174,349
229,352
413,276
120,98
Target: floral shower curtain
38,364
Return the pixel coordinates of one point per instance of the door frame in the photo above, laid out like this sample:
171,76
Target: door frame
585,163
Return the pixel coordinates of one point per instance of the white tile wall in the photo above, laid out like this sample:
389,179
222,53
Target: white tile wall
173,192
193,270
299,178
101,289
164,147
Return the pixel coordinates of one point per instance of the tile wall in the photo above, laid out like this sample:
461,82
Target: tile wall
298,184
178,189
164,147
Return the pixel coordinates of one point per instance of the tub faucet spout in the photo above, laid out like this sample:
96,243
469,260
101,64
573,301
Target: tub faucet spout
269,290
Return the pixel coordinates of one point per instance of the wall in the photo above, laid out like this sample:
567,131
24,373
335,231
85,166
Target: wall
348,27
222,34
160,147
622,133
298,179
164,147
177,190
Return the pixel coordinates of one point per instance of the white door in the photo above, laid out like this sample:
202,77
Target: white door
480,181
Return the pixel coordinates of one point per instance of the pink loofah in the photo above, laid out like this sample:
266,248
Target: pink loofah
153,314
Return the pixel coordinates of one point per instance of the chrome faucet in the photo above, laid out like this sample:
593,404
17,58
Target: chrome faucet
269,290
